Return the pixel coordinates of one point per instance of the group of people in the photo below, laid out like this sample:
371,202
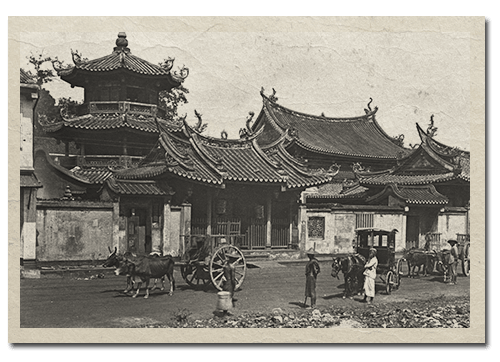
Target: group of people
370,273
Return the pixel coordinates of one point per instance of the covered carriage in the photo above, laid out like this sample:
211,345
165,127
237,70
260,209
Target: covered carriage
389,269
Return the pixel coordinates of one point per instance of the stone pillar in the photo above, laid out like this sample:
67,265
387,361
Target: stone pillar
166,241
268,223
185,224
302,229
209,212
116,228
290,219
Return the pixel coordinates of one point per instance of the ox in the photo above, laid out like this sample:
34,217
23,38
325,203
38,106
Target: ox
147,268
418,258
443,263
352,266
114,259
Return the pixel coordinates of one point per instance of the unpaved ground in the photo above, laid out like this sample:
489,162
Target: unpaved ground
99,303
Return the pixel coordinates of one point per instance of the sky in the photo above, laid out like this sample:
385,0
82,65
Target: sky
410,76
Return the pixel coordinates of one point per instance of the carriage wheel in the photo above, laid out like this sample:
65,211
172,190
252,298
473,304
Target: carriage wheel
389,282
194,274
466,260
217,263
399,273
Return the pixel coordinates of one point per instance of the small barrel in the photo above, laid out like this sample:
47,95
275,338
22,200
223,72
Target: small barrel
224,301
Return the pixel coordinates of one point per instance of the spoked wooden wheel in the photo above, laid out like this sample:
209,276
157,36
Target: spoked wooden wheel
195,274
466,260
233,255
389,282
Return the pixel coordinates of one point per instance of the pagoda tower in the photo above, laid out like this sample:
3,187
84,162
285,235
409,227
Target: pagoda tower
117,122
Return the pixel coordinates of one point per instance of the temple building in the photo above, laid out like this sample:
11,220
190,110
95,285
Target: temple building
144,182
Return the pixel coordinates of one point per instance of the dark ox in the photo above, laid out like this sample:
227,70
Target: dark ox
352,266
114,259
418,258
443,263
147,268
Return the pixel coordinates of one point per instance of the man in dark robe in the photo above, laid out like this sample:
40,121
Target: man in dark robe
312,271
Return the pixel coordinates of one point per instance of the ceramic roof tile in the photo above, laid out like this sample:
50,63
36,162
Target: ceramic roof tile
129,187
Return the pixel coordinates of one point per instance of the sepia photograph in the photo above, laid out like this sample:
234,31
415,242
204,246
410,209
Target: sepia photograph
243,173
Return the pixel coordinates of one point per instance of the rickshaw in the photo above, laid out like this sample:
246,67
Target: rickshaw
384,241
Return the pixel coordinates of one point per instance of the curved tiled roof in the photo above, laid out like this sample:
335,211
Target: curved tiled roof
216,161
356,136
106,121
416,195
143,187
95,176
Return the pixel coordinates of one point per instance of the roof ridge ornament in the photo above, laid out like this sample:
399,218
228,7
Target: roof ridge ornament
182,74
200,126
77,57
167,64
369,110
121,43
431,130
247,132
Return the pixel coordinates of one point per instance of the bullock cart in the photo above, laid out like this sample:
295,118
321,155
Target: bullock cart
204,260
464,252
389,269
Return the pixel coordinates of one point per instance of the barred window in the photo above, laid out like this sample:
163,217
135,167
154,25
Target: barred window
316,227
364,220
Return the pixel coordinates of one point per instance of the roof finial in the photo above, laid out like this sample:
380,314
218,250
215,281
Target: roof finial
431,130
121,42
369,108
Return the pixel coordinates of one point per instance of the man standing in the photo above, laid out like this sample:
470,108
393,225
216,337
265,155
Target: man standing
370,274
452,267
312,271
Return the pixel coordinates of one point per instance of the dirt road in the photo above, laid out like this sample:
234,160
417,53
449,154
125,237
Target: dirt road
99,303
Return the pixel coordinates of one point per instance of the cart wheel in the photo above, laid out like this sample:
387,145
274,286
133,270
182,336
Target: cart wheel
399,273
389,282
466,260
194,274
217,266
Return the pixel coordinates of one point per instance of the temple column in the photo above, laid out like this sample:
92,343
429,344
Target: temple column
302,229
268,224
209,212
166,239
185,224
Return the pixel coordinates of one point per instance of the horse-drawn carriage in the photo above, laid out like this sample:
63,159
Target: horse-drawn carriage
204,260
389,269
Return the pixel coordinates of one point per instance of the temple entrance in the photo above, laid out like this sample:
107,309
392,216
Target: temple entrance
412,231
137,236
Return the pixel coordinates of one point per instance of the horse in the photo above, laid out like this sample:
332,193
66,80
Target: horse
352,266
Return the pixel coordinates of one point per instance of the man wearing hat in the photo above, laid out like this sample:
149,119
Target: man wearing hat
312,271
453,261
370,274
229,284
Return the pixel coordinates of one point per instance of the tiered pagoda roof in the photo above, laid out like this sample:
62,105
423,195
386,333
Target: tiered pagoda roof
360,137
218,161
111,121
120,60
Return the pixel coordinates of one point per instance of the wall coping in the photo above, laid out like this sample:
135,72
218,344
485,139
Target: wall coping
73,204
